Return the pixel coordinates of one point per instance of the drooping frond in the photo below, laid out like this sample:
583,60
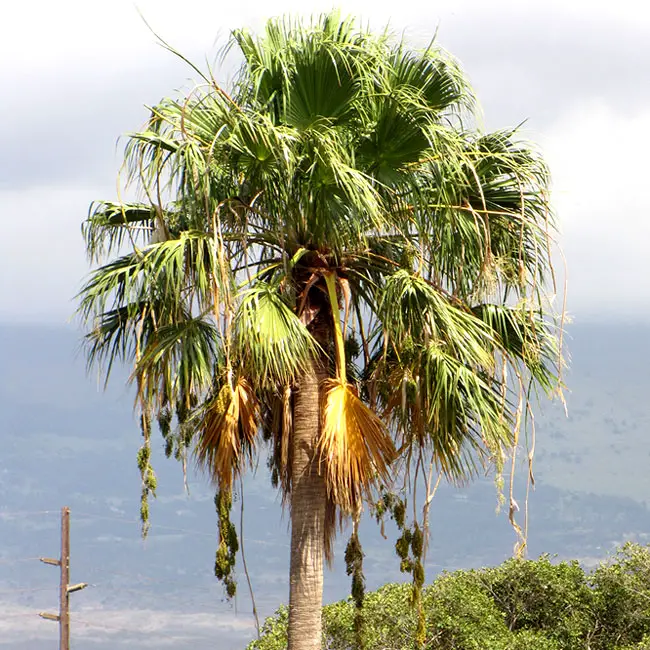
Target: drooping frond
464,411
111,225
413,310
181,268
354,446
528,339
437,375
278,428
177,361
227,431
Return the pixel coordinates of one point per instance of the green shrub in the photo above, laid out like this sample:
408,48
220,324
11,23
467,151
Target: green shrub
273,632
462,616
532,640
389,620
537,595
519,605
644,644
622,599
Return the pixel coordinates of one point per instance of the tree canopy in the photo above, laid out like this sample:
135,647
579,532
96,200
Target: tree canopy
332,221
520,605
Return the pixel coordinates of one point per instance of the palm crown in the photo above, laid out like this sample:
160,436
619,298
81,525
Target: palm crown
335,212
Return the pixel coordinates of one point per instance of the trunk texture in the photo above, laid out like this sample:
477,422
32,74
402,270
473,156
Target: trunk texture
308,507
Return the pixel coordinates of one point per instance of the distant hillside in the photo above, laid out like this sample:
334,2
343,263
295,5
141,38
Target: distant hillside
64,442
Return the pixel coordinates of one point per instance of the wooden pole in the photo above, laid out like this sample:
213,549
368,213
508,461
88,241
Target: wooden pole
65,588
64,609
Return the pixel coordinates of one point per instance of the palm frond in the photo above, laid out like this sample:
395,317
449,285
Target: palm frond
177,361
110,225
354,446
270,341
278,426
354,443
412,309
431,79
227,430
464,411
528,339
302,72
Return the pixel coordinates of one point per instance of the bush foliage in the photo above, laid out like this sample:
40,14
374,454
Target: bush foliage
519,605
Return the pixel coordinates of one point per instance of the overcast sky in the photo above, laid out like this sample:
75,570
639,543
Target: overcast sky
76,74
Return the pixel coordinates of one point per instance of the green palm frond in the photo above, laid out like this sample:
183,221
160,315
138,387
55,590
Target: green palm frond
178,361
112,285
302,73
270,342
435,401
114,337
184,265
464,411
412,309
111,225
323,84
528,339
431,79
170,272
338,160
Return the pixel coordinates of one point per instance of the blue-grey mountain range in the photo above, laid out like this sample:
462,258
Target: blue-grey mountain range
66,442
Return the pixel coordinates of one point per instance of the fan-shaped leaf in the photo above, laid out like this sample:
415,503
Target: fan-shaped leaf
270,341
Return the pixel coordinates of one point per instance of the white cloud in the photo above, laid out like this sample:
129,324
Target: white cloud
133,627
81,72
598,159
42,260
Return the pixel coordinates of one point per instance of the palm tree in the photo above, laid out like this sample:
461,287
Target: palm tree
330,257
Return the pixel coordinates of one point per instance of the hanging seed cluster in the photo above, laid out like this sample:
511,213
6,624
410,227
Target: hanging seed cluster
147,475
354,568
409,548
224,565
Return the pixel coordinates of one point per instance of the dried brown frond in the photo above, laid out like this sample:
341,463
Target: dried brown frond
280,425
331,520
354,445
227,433
285,448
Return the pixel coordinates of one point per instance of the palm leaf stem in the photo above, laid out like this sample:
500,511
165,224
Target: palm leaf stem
330,281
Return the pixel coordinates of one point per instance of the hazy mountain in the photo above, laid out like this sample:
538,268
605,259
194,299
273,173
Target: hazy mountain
64,442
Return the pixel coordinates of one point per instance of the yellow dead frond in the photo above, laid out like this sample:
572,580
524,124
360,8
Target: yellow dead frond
227,434
287,428
354,445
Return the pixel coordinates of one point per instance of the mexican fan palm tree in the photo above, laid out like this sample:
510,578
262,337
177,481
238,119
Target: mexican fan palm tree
329,261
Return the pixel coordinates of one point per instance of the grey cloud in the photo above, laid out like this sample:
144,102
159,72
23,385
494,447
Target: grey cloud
65,130
525,64
538,65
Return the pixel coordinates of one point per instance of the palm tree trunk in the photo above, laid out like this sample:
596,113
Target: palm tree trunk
308,507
